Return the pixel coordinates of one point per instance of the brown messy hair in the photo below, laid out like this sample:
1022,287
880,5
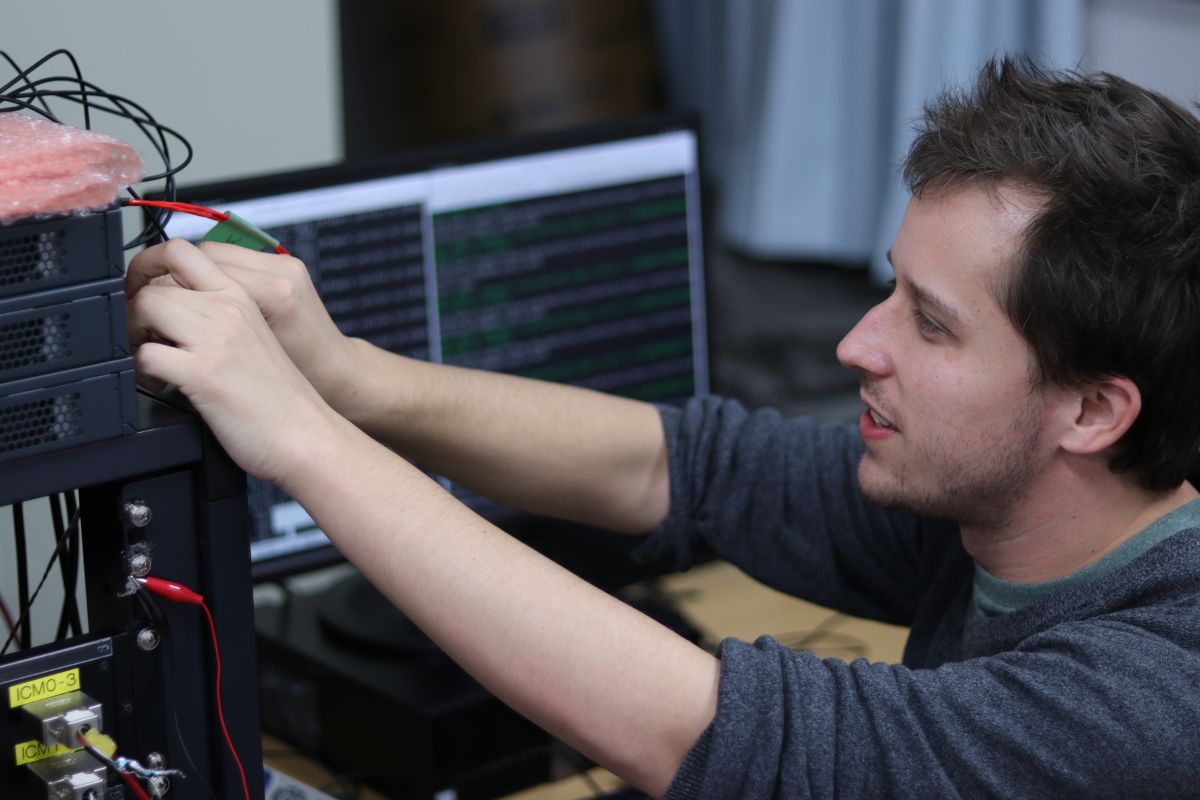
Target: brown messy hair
1108,279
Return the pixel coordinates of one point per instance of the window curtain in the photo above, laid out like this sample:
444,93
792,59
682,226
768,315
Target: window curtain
807,105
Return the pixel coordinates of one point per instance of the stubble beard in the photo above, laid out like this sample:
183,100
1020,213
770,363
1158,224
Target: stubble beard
977,486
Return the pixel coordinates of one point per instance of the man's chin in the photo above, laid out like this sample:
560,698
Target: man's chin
883,489
874,482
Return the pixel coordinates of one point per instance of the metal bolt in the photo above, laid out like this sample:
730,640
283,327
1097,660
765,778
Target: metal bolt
159,785
127,707
138,513
139,564
155,760
147,639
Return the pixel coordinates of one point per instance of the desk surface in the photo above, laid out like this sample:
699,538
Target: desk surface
723,602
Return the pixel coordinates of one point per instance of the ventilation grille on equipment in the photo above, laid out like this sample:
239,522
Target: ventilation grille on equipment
34,341
39,422
36,257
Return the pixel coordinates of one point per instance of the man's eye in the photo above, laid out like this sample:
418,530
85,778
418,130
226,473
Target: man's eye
925,325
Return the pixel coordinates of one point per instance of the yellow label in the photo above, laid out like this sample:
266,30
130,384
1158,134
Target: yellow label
40,688
28,752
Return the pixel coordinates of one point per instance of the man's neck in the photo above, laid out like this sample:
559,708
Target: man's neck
1073,522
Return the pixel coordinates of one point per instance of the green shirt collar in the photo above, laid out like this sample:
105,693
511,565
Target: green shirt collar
994,596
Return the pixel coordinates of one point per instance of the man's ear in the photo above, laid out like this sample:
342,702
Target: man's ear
1103,411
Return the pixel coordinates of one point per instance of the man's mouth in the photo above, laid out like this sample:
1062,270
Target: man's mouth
882,422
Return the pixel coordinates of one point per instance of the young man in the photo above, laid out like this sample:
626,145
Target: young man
1015,490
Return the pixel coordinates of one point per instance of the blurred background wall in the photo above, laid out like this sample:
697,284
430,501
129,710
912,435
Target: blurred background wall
805,102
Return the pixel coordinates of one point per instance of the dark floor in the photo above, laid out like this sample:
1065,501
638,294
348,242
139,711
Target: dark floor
774,328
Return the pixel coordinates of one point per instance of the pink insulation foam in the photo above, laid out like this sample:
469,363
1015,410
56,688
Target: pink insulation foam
47,168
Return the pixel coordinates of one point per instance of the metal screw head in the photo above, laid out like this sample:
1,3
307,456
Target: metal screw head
138,513
147,639
159,785
155,760
139,564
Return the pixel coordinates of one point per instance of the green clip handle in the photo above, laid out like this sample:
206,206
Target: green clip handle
236,230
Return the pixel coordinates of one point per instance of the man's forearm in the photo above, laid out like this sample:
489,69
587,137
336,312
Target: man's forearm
620,687
543,447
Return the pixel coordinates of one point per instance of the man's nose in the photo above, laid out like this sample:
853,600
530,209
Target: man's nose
863,348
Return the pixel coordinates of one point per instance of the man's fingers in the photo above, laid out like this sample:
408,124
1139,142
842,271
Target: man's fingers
147,382
279,284
232,255
266,285
164,313
160,364
179,259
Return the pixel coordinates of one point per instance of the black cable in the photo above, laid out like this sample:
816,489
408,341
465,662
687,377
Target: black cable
25,73
161,146
8,617
154,219
45,574
30,90
151,610
18,513
68,618
64,565
45,106
76,548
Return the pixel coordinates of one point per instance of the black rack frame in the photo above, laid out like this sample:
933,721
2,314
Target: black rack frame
199,536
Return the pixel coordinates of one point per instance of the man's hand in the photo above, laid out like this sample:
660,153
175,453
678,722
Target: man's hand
284,292
202,331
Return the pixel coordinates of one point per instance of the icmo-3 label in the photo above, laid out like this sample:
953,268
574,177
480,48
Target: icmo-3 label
40,688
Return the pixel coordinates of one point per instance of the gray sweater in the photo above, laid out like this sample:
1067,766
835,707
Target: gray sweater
1092,693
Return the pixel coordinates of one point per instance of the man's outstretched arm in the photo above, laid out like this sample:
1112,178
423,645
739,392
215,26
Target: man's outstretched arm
626,691
546,448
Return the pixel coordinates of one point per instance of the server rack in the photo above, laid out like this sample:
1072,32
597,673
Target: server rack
158,693
158,497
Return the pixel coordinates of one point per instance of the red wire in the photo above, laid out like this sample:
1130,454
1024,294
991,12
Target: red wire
178,593
220,710
199,211
186,208
138,792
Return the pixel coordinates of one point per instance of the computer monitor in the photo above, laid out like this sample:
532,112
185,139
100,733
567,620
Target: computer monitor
575,257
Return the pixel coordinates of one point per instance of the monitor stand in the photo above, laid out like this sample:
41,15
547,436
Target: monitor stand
359,615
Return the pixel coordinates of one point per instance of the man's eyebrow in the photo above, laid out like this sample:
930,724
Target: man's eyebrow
925,297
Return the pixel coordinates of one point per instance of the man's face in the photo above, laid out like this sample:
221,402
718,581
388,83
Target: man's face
953,423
